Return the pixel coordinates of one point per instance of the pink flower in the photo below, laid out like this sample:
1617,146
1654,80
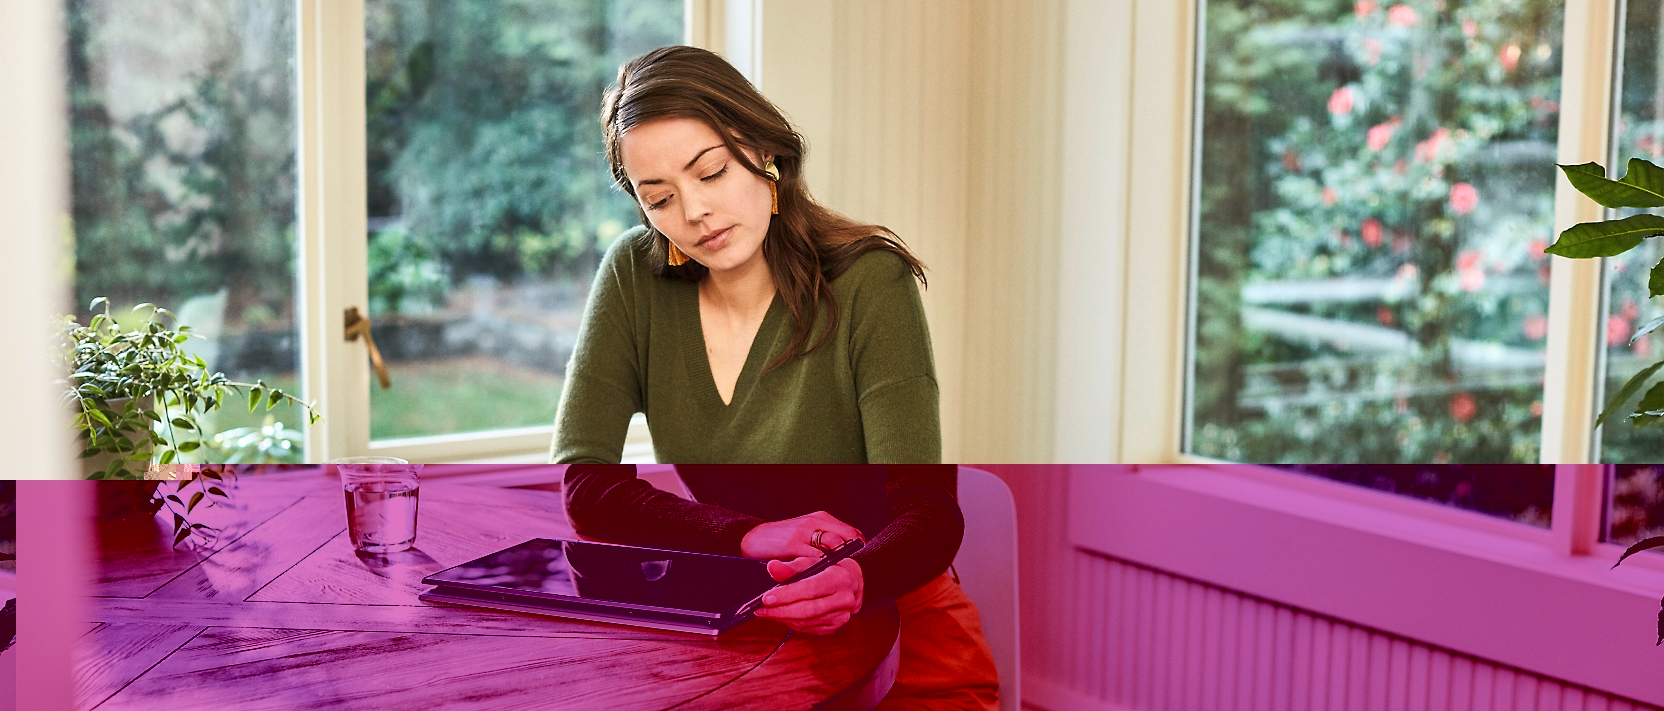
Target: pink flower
1630,310
1401,15
1383,315
1462,407
1509,56
1536,408
1370,232
1470,29
1372,51
1329,197
1468,259
1617,330
1363,8
1380,135
1429,149
1470,274
1535,327
1463,198
1535,248
1340,102
1406,272
1643,347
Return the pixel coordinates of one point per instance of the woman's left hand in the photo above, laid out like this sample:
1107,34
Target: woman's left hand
819,605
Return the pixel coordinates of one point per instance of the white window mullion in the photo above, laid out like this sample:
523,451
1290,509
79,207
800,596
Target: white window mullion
332,205
1571,379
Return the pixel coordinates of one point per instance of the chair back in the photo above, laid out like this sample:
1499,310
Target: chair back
987,567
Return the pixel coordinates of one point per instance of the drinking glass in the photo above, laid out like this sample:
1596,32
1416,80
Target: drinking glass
381,495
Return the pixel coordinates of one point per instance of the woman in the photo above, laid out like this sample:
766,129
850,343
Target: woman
751,324
748,322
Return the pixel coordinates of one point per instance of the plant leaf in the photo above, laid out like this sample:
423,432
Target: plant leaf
195,499
1628,391
1590,179
1606,239
1655,280
1644,175
1646,545
189,445
183,423
179,537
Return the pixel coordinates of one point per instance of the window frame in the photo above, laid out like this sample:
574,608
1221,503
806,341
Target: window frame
331,266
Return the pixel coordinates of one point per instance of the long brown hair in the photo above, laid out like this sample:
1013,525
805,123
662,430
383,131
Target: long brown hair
807,244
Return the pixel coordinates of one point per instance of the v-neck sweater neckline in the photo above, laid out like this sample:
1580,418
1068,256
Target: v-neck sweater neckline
694,350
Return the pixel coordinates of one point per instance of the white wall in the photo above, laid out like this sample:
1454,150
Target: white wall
33,232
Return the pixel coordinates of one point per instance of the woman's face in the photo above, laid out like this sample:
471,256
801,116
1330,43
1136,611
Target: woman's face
696,192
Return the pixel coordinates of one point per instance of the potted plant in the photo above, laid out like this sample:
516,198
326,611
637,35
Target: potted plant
137,394
1641,187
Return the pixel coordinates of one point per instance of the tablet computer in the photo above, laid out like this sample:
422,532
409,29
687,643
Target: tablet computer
603,582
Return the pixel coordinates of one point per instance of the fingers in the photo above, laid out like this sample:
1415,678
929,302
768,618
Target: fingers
783,570
837,532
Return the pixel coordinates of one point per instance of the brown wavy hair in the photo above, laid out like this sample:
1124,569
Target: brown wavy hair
807,245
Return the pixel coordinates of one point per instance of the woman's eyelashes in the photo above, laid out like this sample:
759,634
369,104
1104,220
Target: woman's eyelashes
661,202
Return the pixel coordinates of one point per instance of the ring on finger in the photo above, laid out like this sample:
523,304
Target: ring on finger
815,540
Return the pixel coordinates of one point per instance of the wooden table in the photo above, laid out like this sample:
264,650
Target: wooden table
280,613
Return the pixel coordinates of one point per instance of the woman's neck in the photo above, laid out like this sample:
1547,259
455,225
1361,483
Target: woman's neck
745,290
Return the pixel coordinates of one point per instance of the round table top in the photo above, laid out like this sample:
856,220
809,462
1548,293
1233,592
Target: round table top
279,612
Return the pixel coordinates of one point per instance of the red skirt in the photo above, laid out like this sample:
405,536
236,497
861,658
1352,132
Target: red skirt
945,662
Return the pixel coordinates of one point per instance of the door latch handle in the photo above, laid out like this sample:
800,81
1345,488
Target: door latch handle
359,325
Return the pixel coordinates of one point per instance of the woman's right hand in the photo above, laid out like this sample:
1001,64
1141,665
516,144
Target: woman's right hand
788,539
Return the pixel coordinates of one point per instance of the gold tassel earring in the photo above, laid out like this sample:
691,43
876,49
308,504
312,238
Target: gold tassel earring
675,257
773,174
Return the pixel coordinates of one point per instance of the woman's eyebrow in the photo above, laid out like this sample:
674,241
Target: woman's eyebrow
689,166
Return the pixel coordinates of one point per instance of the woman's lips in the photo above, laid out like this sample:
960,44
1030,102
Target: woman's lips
715,239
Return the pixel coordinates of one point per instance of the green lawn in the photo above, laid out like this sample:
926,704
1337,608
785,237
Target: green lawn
461,395
438,397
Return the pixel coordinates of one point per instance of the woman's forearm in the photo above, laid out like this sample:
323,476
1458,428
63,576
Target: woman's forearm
924,533
607,501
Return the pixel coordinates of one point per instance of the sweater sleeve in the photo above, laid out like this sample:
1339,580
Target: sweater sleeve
895,372
603,386
608,501
926,527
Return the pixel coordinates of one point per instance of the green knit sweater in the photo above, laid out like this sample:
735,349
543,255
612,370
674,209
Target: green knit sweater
867,395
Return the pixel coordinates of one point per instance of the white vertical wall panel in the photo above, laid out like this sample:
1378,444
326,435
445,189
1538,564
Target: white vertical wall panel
1103,634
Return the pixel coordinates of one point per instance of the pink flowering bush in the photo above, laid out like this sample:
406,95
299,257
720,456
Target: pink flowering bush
1376,190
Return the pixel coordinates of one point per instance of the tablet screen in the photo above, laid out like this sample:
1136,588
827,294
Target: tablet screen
600,572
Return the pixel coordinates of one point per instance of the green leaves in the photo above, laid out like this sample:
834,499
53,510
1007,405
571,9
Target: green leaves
1606,239
1648,544
1628,391
1642,186
137,394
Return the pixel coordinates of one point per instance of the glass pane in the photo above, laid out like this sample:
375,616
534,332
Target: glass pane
183,171
1517,492
1376,187
1638,134
1637,503
490,200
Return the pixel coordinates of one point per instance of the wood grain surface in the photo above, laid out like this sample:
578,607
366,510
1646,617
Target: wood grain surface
279,613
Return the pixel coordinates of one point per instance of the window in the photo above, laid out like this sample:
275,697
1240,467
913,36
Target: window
490,199
1638,133
183,176
1376,183
212,174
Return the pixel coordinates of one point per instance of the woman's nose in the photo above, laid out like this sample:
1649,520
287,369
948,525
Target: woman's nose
695,206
